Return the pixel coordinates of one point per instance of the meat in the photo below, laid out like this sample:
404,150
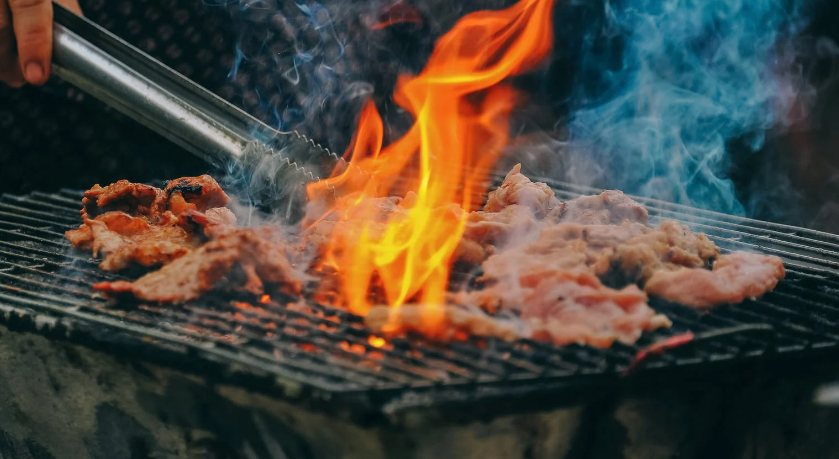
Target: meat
241,260
517,189
573,272
574,307
734,278
620,254
195,193
134,224
125,240
571,306
608,207
125,196
456,322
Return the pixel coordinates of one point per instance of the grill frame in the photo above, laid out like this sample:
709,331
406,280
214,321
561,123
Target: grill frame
32,222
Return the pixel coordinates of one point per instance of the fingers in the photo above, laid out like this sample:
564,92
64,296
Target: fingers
33,31
9,68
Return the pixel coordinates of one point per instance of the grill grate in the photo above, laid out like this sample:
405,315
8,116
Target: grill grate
326,351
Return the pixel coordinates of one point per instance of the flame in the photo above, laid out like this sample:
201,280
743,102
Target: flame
461,103
376,341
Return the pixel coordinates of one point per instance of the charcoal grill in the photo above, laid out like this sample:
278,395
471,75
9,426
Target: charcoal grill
321,358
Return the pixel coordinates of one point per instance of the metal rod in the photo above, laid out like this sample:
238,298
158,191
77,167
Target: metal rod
85,55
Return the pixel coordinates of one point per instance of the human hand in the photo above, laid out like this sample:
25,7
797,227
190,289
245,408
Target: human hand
26,40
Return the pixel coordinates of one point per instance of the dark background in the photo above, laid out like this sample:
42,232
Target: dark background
54,137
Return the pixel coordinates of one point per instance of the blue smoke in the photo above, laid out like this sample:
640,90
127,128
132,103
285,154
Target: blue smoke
692,78
284,66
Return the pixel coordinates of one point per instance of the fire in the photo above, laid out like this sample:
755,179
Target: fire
461,103
376,341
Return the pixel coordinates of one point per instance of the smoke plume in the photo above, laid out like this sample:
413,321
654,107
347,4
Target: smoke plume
665,89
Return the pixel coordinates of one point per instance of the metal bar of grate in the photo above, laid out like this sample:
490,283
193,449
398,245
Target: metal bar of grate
327,349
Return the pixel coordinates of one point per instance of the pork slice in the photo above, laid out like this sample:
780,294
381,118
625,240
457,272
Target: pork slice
130,223
194,193
123,240
517,189
212,223
514,222
578,309
81,237
240,260
567,306
608,207
456,322
124,196
735,277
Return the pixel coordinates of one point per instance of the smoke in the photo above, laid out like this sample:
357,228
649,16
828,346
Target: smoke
665,90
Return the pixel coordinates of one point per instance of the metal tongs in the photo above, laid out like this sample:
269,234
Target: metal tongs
275,164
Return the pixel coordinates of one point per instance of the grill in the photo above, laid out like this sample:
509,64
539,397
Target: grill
323,355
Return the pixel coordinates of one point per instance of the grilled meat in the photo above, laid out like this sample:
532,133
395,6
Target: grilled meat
128,223
518,189
570,305
124,196
456,322
125,240
610,207
194,193
734,278
243,259
564,272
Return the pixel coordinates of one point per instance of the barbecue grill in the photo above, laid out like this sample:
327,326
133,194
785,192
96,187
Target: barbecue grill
317,360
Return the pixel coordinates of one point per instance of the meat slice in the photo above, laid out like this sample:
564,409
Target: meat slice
124,240
571,307
490,231
134,224
457,322
124,196
241,260
212,223
517,189
195,193
735,277
620,254
608,207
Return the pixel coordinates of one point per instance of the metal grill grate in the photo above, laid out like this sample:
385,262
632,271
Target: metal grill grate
321,350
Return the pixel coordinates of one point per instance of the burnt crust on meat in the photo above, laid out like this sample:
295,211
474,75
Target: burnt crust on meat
242,260
131,224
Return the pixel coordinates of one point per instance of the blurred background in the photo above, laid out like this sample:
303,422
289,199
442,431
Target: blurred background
310,66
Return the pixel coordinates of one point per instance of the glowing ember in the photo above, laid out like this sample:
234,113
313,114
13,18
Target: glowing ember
265,299
376,341
461,104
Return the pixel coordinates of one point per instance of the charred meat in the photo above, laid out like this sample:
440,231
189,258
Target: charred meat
134,224
241,260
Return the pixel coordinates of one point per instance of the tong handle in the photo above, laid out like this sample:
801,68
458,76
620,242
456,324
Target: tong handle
101,64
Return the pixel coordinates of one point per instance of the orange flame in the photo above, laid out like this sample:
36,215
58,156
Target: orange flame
461,105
